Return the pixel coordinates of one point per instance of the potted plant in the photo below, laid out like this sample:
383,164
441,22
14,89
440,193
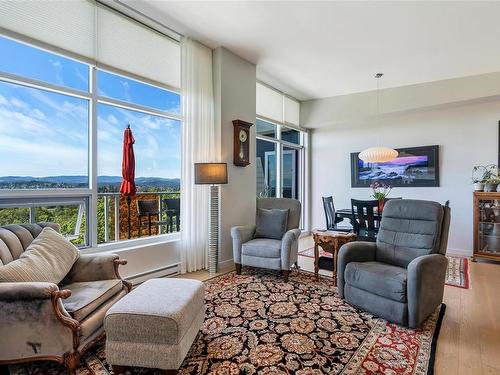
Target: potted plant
491,178
266,193
491,184
380,193
479,177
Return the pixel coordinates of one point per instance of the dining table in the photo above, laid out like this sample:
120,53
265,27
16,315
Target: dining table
346,213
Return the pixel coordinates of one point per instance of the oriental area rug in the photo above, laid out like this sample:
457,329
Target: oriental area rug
258,324
457,273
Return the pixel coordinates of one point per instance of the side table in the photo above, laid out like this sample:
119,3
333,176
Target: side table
330,241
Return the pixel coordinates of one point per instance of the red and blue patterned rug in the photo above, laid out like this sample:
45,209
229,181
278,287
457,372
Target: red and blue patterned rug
258,324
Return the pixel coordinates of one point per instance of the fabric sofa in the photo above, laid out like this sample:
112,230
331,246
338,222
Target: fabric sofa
401,276
45,321
277,254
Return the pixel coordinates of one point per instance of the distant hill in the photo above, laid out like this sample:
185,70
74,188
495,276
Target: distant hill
56,179
14,182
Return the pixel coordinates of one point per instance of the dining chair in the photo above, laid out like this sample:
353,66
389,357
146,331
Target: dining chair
172,207
148,208
331,217
366,219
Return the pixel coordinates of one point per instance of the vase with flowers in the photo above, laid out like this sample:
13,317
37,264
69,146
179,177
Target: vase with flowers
380,193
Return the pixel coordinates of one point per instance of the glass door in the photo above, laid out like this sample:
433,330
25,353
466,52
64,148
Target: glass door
489,226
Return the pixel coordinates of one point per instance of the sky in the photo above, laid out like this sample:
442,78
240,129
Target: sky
47,134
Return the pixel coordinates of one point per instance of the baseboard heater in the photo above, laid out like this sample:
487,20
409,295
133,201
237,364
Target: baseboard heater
165,271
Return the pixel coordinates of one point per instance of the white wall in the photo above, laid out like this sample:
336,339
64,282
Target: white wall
149,257
234,92
467,136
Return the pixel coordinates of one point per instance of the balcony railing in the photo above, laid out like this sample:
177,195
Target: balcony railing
113,215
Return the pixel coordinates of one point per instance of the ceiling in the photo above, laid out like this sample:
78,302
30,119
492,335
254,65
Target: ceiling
319,49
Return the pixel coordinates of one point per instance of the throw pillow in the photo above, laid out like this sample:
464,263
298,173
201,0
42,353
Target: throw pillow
271,223
48,258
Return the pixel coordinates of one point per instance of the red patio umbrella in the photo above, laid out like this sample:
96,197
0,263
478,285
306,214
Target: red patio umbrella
127,187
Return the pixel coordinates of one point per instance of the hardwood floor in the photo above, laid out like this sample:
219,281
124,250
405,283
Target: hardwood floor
469,341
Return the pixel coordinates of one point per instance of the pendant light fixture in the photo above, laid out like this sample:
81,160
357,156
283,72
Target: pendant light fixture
378,154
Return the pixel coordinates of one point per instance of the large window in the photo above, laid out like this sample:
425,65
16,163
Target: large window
43,133
280,147
279,162
61,137
157,150
266,168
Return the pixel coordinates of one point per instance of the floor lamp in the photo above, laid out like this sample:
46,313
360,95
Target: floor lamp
213,174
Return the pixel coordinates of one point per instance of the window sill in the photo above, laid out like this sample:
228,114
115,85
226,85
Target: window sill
117,247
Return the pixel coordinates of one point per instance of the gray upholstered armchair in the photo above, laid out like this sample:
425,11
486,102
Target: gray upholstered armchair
400,277
272,253
45,321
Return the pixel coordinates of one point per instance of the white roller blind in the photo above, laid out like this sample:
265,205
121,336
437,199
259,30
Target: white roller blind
269,103
134,48
292,111
68,25
114,40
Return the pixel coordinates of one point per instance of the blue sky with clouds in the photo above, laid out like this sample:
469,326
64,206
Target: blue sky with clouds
46,134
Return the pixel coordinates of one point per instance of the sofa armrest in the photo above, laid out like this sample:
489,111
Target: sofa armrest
240,235
18,291
425,286
289,248
357,251
93,267
34,322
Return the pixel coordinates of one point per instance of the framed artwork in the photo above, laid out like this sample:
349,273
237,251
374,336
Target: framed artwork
414,167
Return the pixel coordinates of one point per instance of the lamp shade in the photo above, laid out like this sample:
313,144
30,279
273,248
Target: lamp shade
378,154
210,173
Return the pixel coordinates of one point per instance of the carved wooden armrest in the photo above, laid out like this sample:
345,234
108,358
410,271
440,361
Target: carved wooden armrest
121,262
63,316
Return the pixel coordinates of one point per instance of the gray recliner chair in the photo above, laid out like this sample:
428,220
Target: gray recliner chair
267,252
400,277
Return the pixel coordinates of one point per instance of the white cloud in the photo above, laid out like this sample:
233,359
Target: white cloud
104,125
76,110
3,101
55,63
150,122
126,91
35,158
112,120
81,77
18,103
11,121
38,114
58,66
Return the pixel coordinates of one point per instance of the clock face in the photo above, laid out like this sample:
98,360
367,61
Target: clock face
243,136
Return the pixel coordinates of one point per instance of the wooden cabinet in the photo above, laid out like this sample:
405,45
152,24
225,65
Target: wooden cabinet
486,226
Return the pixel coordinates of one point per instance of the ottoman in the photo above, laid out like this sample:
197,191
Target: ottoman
154,325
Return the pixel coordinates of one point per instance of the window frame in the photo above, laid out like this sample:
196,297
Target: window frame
33,202
90,193
301,148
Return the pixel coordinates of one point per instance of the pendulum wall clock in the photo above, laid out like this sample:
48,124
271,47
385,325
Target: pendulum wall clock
241,141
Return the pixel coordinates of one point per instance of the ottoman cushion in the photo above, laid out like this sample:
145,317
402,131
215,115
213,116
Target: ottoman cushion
155,325
158,311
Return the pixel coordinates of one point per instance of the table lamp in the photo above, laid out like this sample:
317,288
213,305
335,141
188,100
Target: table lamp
213,174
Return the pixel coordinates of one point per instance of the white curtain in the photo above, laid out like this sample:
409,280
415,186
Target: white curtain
201,143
